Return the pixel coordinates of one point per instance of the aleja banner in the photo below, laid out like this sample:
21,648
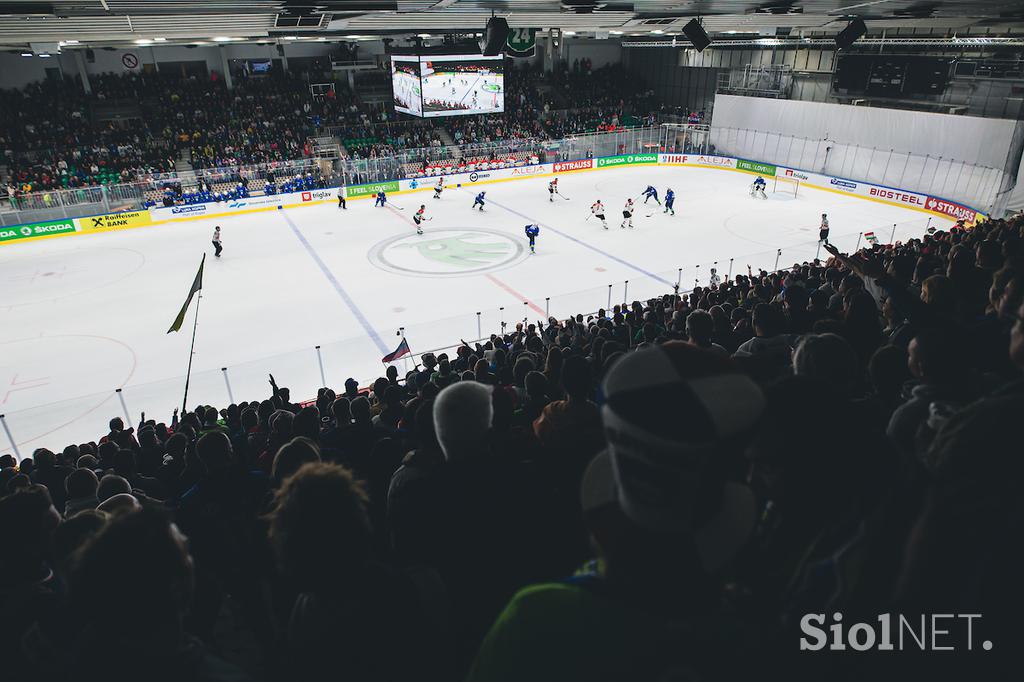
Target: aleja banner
696,160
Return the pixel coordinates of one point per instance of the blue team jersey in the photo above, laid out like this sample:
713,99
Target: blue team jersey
480,197
532,231
670,195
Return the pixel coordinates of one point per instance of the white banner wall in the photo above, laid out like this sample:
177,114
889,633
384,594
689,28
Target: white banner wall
971,160
981,141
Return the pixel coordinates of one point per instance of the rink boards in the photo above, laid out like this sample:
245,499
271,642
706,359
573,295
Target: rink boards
937,206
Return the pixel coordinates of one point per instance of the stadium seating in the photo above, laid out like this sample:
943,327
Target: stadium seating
867,456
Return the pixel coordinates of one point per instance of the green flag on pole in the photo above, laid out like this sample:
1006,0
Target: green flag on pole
196,286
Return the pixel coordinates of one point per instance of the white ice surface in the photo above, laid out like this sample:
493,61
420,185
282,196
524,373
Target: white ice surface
83,316
449,88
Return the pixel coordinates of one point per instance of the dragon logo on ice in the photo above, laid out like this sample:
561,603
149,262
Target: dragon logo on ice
460,251
451,252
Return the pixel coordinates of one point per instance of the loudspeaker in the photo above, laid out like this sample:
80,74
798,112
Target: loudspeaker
495,37
848,36
90,56
696,34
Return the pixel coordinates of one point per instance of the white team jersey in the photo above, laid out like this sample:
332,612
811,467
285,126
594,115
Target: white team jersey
216,235
597,208
824,223
628,206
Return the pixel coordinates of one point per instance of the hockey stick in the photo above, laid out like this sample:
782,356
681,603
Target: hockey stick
562,196
650,214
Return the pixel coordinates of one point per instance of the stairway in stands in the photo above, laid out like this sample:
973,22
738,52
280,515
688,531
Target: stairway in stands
183,164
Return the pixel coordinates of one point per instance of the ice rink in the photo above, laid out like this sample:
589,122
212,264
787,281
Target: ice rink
84,316
458,89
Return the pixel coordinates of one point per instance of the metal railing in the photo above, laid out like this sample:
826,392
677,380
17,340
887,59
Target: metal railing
975,185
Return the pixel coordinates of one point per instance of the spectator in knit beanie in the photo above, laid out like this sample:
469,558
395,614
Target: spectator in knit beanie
665,517
462,417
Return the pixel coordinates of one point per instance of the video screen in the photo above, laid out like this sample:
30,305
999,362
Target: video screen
405,84
455,85
448,85
262,66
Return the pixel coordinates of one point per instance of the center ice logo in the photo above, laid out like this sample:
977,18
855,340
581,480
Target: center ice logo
447,253
461,250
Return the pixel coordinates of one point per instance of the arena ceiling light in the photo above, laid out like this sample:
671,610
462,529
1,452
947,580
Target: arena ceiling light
159,40
224,39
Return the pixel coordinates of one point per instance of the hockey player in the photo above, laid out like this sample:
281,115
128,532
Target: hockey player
438,188
217,246
479,201
714,280
597,210
341,198
418,218
552,189
627,213
670,200
651,193
531,232
823,230
757,189
381,199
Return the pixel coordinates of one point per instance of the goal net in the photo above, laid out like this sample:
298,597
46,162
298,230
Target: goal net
785,185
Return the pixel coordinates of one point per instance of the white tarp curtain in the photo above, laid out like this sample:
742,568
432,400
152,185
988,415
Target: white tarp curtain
981,141
956,157
1015,200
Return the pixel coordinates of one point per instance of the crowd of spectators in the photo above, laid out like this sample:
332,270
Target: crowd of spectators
657,491
56,137
50,139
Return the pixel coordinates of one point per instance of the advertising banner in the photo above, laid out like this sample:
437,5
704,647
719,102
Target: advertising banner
696,160
565,166
754,167
897,196
371,189
319,195
114,221
11,234
954,211
626,159
790,173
